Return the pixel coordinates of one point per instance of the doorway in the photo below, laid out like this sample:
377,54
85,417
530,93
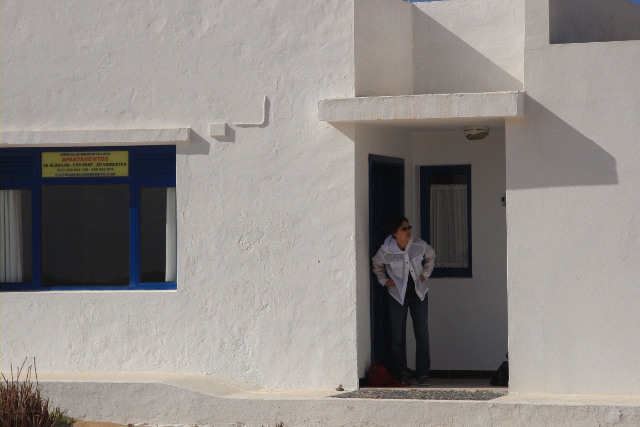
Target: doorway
386,198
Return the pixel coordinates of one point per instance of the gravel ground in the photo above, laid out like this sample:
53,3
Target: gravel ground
421,394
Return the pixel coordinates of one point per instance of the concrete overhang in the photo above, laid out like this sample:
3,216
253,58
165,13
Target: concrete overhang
425,112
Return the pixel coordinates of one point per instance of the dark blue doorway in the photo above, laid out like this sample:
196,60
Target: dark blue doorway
386,198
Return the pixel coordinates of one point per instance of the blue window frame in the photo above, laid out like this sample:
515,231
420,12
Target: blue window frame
445,206
78,229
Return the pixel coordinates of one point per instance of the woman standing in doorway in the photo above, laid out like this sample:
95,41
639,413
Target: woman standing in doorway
403,264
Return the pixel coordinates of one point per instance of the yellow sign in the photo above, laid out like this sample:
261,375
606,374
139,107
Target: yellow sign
62,164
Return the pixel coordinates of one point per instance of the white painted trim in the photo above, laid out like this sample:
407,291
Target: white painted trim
420,107
217,129
77,137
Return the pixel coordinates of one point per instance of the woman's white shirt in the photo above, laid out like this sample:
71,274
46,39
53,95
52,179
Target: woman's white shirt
392,262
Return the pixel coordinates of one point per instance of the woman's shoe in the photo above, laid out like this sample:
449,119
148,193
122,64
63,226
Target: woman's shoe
405,378
423,381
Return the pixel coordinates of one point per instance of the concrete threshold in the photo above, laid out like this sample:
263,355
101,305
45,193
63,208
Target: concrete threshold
204,400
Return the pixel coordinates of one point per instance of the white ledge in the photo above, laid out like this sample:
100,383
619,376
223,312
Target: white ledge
78,137
422,107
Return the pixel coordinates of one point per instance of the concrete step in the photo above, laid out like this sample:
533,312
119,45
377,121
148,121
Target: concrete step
188,400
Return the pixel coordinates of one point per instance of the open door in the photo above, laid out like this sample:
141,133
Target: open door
386,198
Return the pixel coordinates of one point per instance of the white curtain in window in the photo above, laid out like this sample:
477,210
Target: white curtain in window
11,236
171,245
449,225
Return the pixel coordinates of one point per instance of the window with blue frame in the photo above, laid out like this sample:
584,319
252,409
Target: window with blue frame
88,218
445,205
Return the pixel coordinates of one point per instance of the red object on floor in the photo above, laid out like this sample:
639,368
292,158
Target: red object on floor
378,376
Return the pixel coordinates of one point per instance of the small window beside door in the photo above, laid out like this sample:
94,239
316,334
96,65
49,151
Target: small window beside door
445,218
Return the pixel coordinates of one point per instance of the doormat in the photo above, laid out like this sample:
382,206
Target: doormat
421,394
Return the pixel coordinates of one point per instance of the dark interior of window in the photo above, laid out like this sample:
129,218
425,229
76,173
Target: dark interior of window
85,235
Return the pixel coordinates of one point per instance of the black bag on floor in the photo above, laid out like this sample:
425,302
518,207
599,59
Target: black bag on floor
501,376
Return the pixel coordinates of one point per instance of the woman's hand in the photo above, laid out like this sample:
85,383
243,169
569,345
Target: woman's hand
390,283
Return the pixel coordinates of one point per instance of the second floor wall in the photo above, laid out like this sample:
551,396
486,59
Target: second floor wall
438,47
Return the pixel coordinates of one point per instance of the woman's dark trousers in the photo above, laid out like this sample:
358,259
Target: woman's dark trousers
398,328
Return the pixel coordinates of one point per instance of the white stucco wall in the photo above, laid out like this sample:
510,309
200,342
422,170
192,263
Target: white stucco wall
572,214
383,47
438,47
468,46
581,21
273,259
266,280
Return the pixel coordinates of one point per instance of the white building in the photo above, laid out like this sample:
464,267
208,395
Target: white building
297,126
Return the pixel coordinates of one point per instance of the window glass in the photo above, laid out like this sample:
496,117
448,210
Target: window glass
448,224
446,217
157,234
15,236
85,235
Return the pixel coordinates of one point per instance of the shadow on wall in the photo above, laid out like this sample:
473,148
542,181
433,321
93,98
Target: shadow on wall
197,145
201,145
584,21
556,154
444,63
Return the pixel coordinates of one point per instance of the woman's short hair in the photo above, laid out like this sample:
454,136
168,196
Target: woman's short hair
395,222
